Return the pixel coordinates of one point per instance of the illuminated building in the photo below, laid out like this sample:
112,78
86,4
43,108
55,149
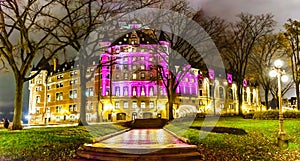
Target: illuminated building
130,88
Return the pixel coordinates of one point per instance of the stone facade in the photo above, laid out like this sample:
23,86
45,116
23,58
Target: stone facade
130,88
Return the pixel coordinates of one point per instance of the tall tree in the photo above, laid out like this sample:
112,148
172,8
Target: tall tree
240,41
185,50
81,31
266,50
292,33
23,44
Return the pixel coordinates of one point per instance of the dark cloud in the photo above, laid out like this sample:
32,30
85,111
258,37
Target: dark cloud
228,9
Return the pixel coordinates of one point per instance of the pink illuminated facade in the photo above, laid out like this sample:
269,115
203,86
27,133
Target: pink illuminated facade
131,88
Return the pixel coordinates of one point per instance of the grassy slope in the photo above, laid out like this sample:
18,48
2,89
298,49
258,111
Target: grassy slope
62,143
48,143
258,144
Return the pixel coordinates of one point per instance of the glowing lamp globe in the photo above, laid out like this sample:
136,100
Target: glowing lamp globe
273,73
278,63
284,78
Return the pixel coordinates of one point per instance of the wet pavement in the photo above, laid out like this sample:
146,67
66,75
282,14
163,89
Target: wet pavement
143,136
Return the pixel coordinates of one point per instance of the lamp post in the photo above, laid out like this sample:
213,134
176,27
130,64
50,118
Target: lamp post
277,71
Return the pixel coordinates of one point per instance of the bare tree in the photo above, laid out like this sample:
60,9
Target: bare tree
81,28
23,44
187,46
240,41
266,49
292,33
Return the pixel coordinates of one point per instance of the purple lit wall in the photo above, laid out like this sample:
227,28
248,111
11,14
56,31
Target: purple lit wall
138,87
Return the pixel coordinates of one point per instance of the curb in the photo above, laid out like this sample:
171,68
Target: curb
183,139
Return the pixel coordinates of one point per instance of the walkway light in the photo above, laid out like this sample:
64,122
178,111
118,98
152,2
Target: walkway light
277,71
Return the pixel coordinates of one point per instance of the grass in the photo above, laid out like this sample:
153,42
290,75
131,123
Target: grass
59,143
258,144
254,140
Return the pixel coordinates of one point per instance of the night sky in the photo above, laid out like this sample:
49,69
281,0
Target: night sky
226,9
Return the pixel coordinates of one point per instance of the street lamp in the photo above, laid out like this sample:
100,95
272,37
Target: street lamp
277,71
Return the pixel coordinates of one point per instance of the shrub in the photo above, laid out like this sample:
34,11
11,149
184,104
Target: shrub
274,115
266,115
248,115
290,114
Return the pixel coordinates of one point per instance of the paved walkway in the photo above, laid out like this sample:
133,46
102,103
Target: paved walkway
142,138
143,142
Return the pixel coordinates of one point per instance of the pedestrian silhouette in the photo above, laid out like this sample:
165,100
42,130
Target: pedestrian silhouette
6,123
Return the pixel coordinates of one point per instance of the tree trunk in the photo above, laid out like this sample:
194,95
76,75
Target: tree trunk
18,100
240,99
82,116
267,98
171,101
298,95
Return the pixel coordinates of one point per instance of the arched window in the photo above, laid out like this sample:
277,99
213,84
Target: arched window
230,94
117,91
133,91
221,92
142,91
151,91
125,91
245,96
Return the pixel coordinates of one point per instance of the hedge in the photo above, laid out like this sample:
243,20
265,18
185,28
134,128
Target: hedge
274,115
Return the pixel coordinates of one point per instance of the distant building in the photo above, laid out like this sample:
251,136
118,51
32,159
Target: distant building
130,88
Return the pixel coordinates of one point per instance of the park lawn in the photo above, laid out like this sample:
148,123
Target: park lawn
52,143
259,142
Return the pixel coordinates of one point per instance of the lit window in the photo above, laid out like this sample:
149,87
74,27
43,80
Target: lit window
89,92
125,89
117,105
133,91
38,89
125,104
117,76
73,94
142,91
143,104
133,67
37,99
221,92
142,75
134,58
125,76
142,58
73,81
134,105
151,91
117,91
133,76
151,104
59,96
48,98
142,67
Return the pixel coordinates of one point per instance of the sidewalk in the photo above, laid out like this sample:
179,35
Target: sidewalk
140,144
